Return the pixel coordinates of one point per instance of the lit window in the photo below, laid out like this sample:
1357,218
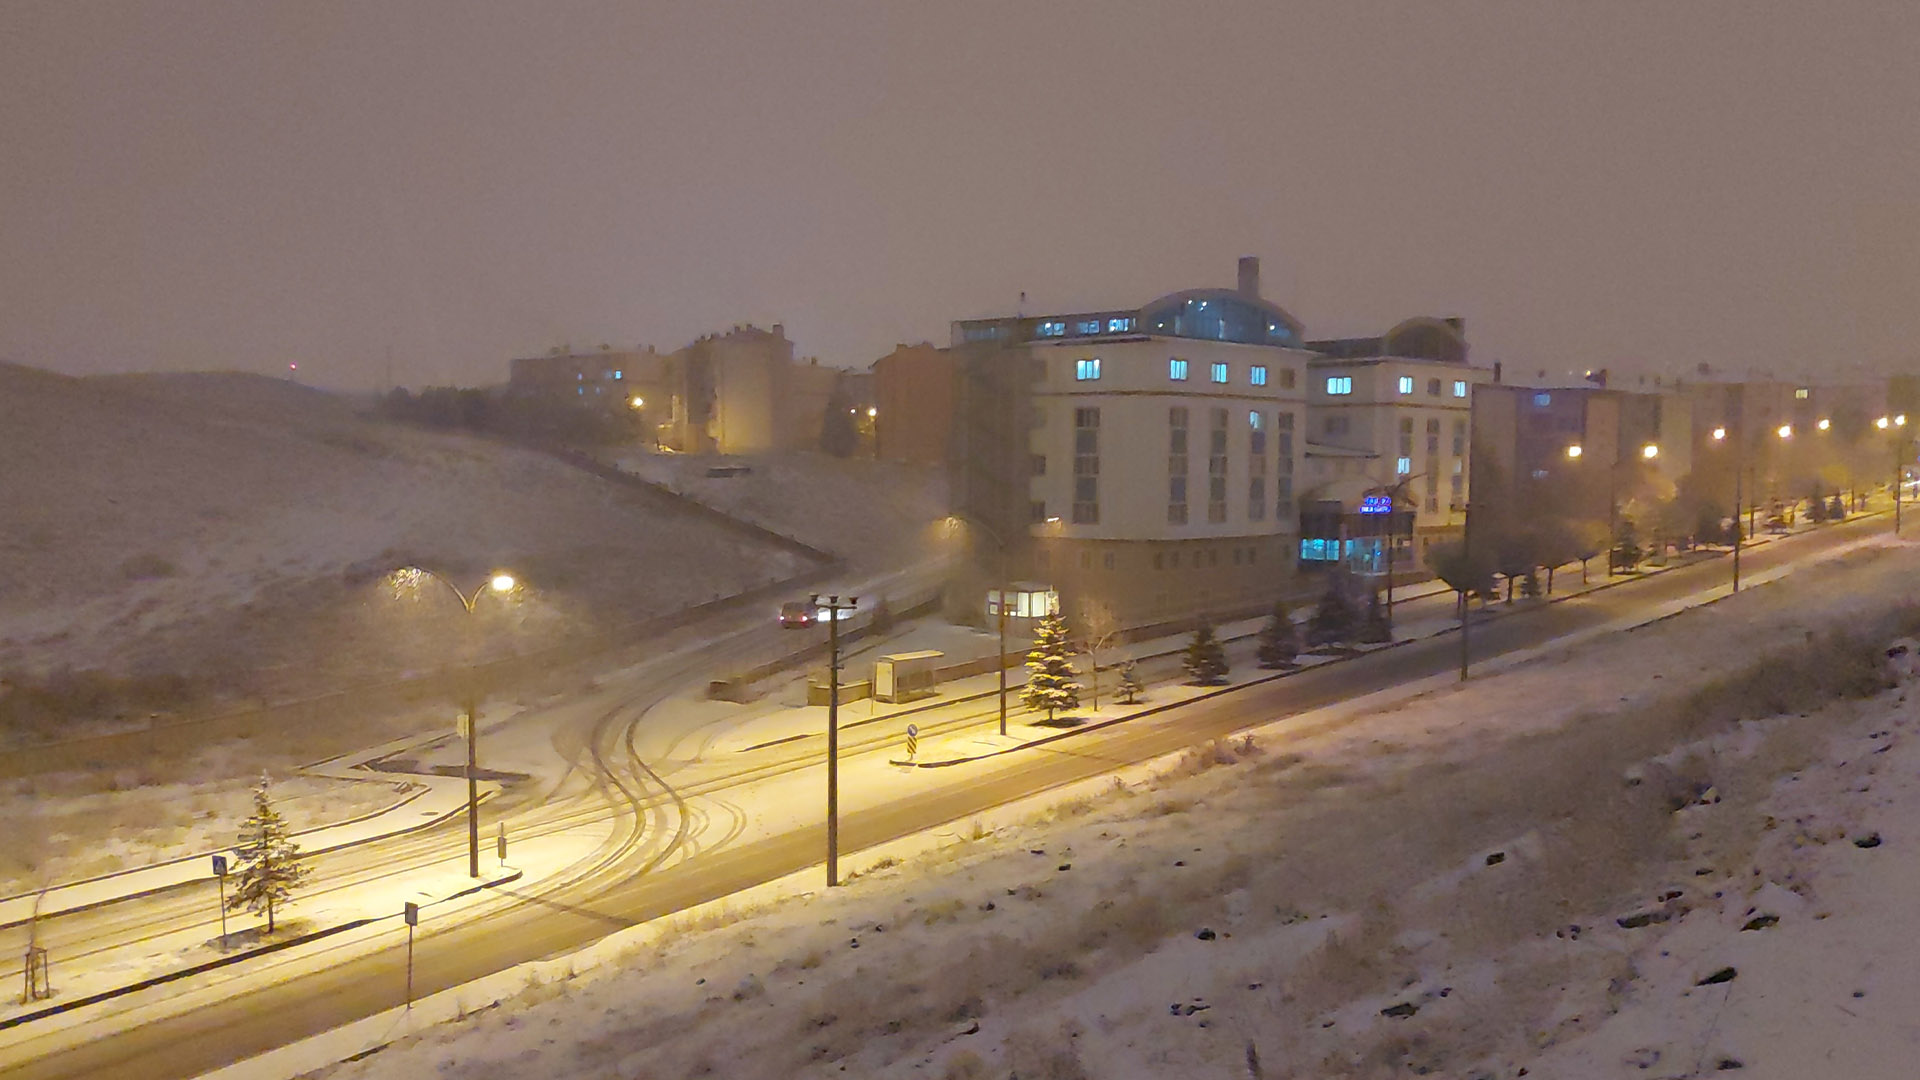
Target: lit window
1177,369
1802,393
1253,420
1119,326
1087,326
1406,384
1339,384
1084,370
1258,376
1219,373
1459,388
618,374
1053,329
1402,466
1541,401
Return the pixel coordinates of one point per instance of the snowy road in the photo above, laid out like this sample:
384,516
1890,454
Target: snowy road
293,1000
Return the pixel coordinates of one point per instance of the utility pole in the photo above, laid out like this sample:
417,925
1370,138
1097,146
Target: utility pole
470,727
1739,473
1000,617
833,608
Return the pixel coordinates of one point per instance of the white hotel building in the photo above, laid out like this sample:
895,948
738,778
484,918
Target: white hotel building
1145,459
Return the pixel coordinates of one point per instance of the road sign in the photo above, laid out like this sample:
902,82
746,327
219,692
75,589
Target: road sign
413,913
219,866
464,725
913,739
500,844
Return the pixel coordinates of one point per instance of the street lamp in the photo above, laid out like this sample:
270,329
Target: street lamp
1574,451
1899,461
1650,451
834,609
637,403
412,579
955,521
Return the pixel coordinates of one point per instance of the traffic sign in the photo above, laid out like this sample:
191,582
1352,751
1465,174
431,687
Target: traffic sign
464,725
219,866
412,913
913,739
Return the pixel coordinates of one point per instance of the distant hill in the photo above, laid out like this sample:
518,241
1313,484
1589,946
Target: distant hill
235,528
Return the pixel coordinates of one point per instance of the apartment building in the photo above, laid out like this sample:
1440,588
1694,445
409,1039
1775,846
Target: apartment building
1387,445
1141,459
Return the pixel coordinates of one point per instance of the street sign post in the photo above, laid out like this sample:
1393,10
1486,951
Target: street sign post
500,844
412,914
913,740
220,871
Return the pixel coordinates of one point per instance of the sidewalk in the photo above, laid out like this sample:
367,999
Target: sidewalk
1438,615
426,800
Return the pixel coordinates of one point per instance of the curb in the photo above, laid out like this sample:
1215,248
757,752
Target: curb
1262,680
231,959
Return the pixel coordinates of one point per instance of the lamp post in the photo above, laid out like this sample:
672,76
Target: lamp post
1000,605
409,578
833,607
1894,426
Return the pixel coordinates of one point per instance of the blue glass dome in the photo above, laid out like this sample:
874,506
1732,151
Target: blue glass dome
1220,315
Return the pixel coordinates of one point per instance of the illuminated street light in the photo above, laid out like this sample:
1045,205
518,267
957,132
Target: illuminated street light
1719,434
1881,423
954,523
1786,431
412,579
1573,451
1650,451
1824,424
872,412
1900,421
637,403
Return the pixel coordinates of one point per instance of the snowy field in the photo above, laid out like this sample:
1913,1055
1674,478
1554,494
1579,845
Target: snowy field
65,827
875,513
236,529
1550,872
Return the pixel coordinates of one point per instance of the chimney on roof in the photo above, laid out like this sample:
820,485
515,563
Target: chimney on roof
779,330
1250,277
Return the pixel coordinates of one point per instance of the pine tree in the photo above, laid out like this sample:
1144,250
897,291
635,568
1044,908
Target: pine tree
1279,638
1050,684
1376,630
1816,508
1337,619
1129,688
1205,661
270,867
1530,585
1836,509
1626,553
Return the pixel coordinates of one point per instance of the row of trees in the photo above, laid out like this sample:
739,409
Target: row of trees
527,417
1340,619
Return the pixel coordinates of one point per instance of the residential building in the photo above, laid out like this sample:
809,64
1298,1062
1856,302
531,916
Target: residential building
913,403
1387,445
732,393
1144,459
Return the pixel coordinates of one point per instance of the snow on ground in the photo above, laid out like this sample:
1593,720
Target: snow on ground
63,828
871,512
1481,881
235,528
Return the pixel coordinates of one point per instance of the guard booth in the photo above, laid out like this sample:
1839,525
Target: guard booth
906,676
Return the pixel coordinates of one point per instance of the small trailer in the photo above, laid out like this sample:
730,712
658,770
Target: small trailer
906,676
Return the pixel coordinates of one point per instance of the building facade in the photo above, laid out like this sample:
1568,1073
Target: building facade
733,393
1140,460
1388,445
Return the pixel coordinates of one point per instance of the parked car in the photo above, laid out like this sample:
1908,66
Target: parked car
797,614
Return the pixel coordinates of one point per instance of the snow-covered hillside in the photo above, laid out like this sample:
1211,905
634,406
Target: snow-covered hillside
235,528
1545,873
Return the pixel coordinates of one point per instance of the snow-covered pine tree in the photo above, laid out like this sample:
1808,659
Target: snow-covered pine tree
1376,630
1205,661
1129,684
1050,684
270,867
1337,619
1279,638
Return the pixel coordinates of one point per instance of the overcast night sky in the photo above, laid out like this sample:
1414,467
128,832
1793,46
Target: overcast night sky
195,184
